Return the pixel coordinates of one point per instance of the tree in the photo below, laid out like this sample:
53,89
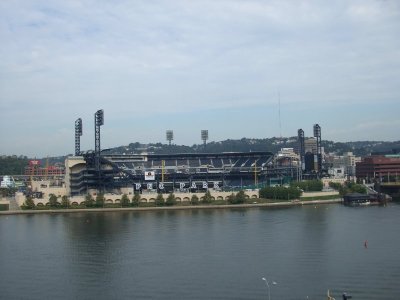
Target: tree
207,199
231,198
124,200
194,200
136,199
159,200
99,200
280,192
352,187
13,165
240,197
89,201
53,200
309,185
170,200
29,203
65,201
335,185
7,191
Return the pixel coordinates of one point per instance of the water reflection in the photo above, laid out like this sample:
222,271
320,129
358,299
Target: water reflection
202,254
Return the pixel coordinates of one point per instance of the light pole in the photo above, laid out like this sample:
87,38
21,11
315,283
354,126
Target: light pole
268,289
267,284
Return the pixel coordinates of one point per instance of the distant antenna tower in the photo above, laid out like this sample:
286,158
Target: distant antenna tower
78,134
204,137
170,136
279,112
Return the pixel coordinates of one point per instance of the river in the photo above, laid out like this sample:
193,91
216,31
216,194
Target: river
302,251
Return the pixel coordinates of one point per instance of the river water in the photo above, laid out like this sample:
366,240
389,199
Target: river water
203,254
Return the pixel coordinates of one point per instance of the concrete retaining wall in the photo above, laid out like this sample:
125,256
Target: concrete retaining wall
144,198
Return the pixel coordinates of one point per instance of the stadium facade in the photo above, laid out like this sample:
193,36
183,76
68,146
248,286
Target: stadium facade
95,171
165,173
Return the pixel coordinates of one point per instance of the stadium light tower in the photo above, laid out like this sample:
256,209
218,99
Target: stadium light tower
204,137
317,135
98,121
78,134
170,136
300,138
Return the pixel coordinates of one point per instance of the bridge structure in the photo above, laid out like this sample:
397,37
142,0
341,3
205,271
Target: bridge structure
390,188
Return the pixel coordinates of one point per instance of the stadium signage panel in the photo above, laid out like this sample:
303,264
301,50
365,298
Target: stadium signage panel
180,185
149,175
34,162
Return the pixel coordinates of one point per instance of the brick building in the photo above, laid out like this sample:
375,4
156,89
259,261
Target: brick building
378,167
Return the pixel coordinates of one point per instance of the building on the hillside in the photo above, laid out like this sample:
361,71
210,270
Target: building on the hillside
337,172
289,153
347,161
310,145
34,168
286,157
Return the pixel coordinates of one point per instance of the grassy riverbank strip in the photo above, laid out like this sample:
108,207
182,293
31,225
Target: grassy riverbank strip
191,207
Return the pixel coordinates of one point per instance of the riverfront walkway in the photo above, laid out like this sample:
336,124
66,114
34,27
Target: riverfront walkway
177,207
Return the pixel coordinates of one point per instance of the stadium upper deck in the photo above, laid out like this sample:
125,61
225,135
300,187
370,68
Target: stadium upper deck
192,162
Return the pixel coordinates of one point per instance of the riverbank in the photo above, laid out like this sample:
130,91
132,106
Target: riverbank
191,207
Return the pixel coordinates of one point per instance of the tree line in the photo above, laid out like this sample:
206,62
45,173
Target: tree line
294,191
348,188
13,165
99,201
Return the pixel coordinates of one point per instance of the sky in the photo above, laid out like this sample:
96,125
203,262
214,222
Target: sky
254,69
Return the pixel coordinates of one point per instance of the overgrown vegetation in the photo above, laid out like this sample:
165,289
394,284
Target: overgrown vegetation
239,198
65,202
29,203
135,200
4,207
53,201
125,200
207,199
348,188
308,185
7,192
170,200
89,201
194,200
99,200
160,200
13,165
280,192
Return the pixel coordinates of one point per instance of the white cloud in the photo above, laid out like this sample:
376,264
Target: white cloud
63,59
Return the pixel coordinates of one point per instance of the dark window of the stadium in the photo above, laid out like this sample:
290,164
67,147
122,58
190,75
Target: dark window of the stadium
240,162
170,162
205,161
226,161
193,163
217,163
